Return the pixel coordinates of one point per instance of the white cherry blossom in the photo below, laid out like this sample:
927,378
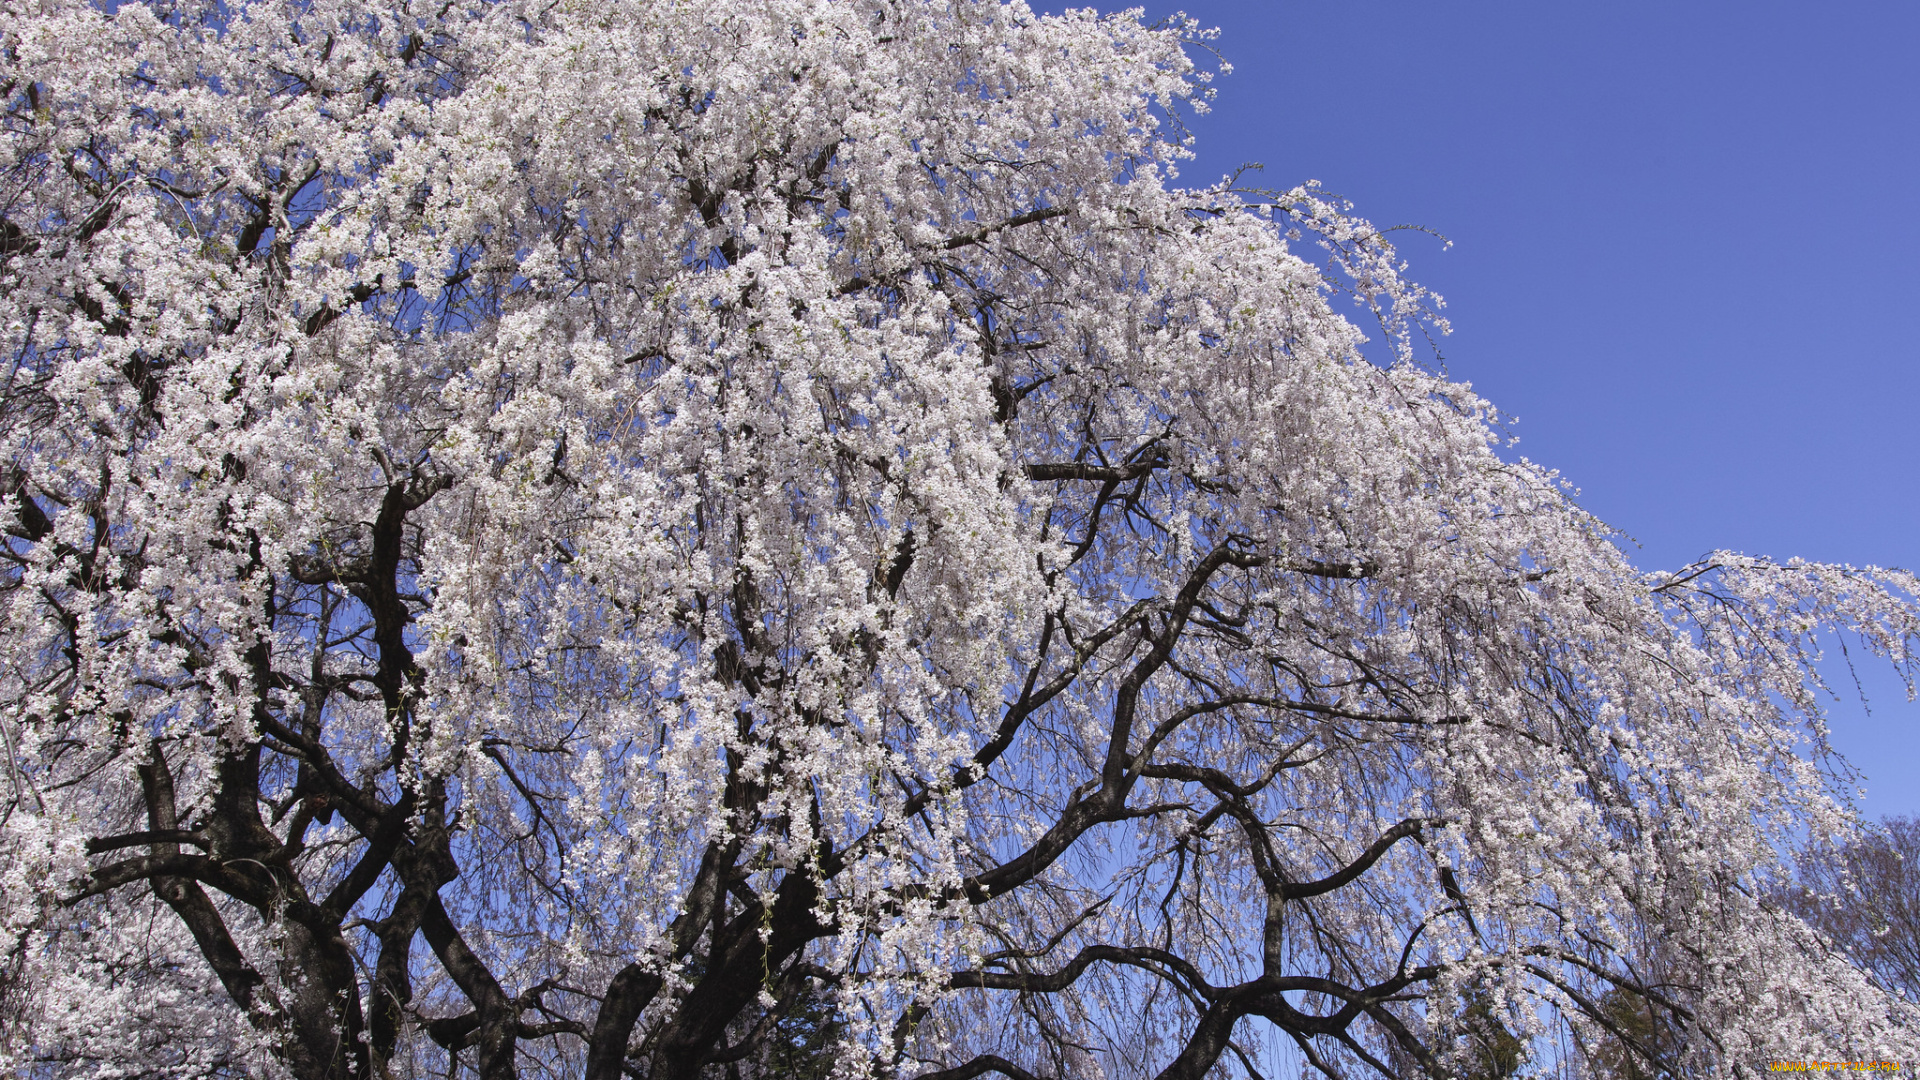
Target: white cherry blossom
572,538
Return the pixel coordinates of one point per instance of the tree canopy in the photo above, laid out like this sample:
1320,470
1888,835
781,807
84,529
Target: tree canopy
769,537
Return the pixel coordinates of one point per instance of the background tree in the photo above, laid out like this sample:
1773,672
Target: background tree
1634,1042
1865,897
1492,1051
615,539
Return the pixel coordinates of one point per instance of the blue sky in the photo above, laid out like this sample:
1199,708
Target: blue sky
1686,251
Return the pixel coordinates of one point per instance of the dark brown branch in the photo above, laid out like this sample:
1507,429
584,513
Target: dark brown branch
1108,803
1028,218
1336,571
142,868
1150,959
1113,774
627,996
380,847
1081,470
315,570
360,294
101,845
34,525
1409,827
498,1026
242,982
980,1066
452,1032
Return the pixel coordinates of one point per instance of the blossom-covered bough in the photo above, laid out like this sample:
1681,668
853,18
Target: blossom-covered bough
666,539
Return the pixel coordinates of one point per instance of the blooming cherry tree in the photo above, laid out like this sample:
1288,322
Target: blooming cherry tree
570,538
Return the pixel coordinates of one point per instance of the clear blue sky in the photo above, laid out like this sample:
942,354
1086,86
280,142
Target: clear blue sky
1686,251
